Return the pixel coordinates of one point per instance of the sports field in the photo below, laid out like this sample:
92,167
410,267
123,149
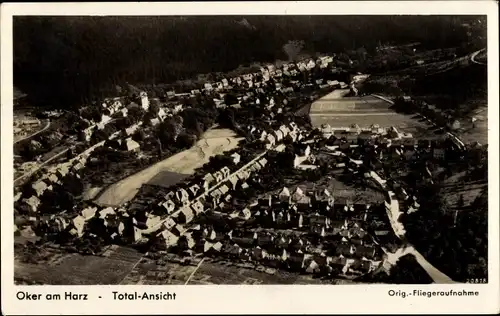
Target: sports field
363,111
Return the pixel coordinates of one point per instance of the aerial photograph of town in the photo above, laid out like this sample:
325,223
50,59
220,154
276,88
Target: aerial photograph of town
155,150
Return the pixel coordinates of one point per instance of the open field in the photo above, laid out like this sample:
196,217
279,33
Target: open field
76,269
210,272
122,265
167,178
214,142
364,111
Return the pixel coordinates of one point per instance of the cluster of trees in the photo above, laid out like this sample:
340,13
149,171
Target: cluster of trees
114,50
406,271
456,243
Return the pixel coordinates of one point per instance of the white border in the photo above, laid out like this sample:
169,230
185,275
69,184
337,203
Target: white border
226,299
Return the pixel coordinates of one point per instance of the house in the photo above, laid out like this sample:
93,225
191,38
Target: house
278,135
168,205
232,250
263,136
270,141
224,189
258,253
282,242
264,239
296,260
62,171
345,249
365,251
197,207
219,176
78,224
304,150
169,223
283,218
225,172
254,167
152,221
265,202
319,220
89,212
105,212
155,121
132,145
244,239
208,179
339,261
208,86
233,182
39,187
276,257
78,166
284,195
312,267
243,175
169,196
18,196
144,100
318,229
193,190
215,195
161,114
187,241
209,234
245,214
124,112
168,239
182,196
33,202
178,229
297,194
263,162
236,158
58,224
131,130
304,203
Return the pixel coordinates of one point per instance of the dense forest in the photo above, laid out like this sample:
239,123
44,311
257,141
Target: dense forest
66,61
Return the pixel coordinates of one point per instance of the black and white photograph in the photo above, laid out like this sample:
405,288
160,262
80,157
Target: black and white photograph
250,150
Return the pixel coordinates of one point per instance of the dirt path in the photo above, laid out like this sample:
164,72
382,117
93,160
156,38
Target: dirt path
214,142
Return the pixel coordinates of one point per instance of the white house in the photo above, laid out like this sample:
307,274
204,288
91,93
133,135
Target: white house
208,86
131,130
39,187
144,100
33,202
132,145
236,158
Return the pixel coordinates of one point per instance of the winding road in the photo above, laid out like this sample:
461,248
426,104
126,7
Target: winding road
436,275
475,54
34,134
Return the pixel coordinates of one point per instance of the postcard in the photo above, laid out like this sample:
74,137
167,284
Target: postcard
250,157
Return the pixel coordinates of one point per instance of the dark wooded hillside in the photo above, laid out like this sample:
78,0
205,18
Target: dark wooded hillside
66,61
